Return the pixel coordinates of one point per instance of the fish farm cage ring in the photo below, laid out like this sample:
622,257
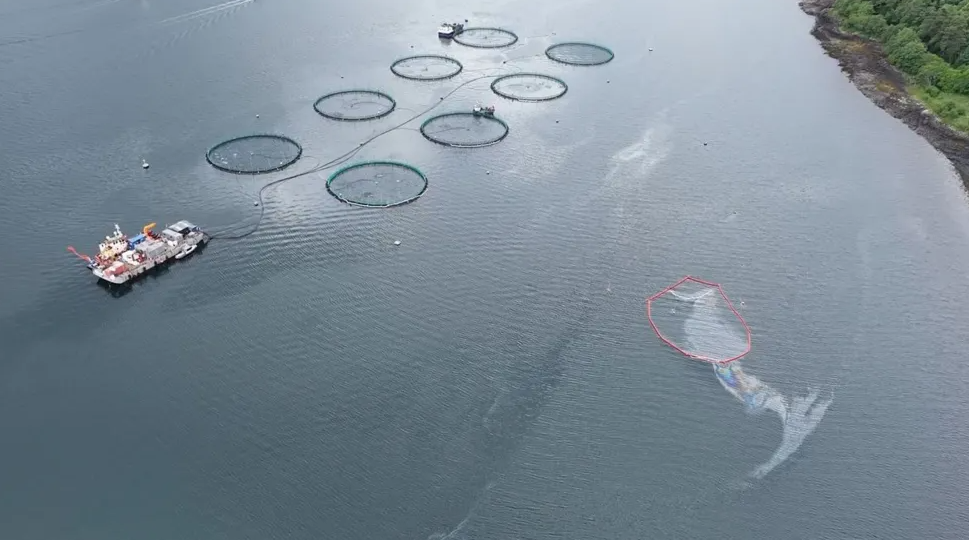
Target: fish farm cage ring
426,67
377,184
254,154
464,130
579,54
529,87
486,38
355,105
695,318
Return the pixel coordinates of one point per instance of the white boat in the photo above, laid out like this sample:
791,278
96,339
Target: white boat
449,30
186,251
478,110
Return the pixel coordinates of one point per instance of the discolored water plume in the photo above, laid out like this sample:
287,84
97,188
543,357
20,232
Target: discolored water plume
696,318
707,335
800,415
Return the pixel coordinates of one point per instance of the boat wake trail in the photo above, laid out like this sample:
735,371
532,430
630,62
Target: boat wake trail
222,9
799,415
98,5
231,4
459,530
514,411
20,41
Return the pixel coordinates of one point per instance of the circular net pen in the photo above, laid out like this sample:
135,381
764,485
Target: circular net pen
254,154
355,105
464,130
377,184
696,318
579,54
529,87
486,38
426,67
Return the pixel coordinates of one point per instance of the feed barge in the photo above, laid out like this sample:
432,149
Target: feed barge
121,259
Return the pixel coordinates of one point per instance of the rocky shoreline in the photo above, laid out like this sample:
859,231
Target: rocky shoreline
868,68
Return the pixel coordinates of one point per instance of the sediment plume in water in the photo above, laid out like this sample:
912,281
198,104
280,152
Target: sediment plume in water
699,321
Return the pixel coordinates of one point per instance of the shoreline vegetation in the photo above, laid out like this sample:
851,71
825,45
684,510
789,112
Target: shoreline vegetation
911,58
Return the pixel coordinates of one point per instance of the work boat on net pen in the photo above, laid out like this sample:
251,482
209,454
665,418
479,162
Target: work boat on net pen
449,30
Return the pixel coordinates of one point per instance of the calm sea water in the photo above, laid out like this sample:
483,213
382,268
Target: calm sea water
493,376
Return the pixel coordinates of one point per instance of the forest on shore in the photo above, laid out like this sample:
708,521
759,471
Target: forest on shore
928,40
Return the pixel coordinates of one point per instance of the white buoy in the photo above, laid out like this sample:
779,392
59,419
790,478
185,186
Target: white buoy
257,116
396,242
144,164
255,203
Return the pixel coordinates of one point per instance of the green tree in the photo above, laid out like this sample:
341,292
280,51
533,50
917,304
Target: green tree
859,16
885,6
953,37
907,51
932,25
933,72
876,26
956,81
910,57
963,59
926,39
844,9
911,13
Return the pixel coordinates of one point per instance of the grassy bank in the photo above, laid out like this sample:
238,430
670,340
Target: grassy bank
951,108
927,40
